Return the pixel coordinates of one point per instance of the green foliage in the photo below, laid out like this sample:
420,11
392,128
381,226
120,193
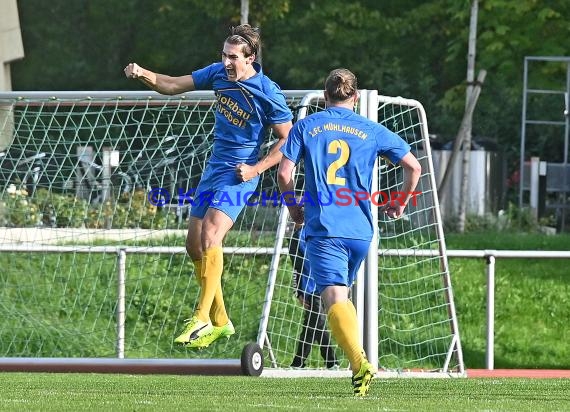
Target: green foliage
61,210
403,48
513,219
49,209
17,210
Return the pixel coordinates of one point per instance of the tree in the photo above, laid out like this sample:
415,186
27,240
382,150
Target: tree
401,47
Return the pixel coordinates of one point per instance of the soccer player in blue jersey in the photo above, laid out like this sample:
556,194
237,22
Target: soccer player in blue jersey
248,102
339,148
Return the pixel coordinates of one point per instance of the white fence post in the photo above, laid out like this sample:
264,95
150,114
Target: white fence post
534,185
490,354
121,297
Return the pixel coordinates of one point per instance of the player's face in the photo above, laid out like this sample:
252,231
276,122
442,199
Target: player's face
238,67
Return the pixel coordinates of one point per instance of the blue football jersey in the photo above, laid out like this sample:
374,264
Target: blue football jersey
339,148
244,110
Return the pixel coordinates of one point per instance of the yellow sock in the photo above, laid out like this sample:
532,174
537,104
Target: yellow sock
211,270
344,327
198,275
218,313
198,271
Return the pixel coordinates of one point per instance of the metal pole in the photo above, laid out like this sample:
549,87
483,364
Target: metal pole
358,295
566,143
106,195
523,133
490,355
534,166
273,269
371,270
474,97
121,297
106,174
244,16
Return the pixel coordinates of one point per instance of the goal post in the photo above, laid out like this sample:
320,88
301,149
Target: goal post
413,255
97,184
403,295
94,201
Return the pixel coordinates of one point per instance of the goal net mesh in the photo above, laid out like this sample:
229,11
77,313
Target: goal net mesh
417,328
77,173
67,205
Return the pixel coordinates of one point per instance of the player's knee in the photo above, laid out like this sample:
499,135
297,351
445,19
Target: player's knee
212,235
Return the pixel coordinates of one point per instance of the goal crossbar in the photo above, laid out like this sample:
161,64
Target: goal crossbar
93,272
393,112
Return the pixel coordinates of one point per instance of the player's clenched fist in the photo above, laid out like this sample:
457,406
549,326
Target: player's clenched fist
394,212
133,71
246,172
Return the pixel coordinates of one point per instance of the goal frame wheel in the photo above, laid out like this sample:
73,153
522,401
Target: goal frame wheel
252,359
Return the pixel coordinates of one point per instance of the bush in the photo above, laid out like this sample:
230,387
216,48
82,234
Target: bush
513,219
48,209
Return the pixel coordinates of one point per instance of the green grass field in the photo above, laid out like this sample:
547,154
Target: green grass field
531,301
532,312
94,392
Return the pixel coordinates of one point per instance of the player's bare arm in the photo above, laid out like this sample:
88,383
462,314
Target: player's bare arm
287,188
412,173
247,172
160,83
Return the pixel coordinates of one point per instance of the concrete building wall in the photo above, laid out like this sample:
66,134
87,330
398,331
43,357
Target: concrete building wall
11,49
11,46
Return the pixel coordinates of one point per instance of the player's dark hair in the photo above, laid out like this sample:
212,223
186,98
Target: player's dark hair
247,36
341,85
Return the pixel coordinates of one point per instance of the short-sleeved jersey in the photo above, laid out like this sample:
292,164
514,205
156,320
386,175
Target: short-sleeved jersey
244,110
339,148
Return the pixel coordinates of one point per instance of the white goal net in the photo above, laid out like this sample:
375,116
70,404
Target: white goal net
94,191
80,179
403,296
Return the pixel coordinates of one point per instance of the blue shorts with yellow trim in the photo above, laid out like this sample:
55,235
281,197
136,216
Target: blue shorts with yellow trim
335,260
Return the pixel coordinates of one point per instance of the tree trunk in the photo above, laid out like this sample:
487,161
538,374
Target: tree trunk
467,139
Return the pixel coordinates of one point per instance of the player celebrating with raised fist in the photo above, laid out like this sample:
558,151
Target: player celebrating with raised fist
339,148
248,102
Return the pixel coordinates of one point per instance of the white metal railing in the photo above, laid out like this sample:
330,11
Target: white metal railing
489,255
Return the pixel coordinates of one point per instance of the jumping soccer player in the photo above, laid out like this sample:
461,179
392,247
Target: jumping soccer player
248,102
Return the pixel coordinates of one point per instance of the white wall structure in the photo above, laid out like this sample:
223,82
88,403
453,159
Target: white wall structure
11,49
485,184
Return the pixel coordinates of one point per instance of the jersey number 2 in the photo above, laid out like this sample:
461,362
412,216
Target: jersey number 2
334,147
